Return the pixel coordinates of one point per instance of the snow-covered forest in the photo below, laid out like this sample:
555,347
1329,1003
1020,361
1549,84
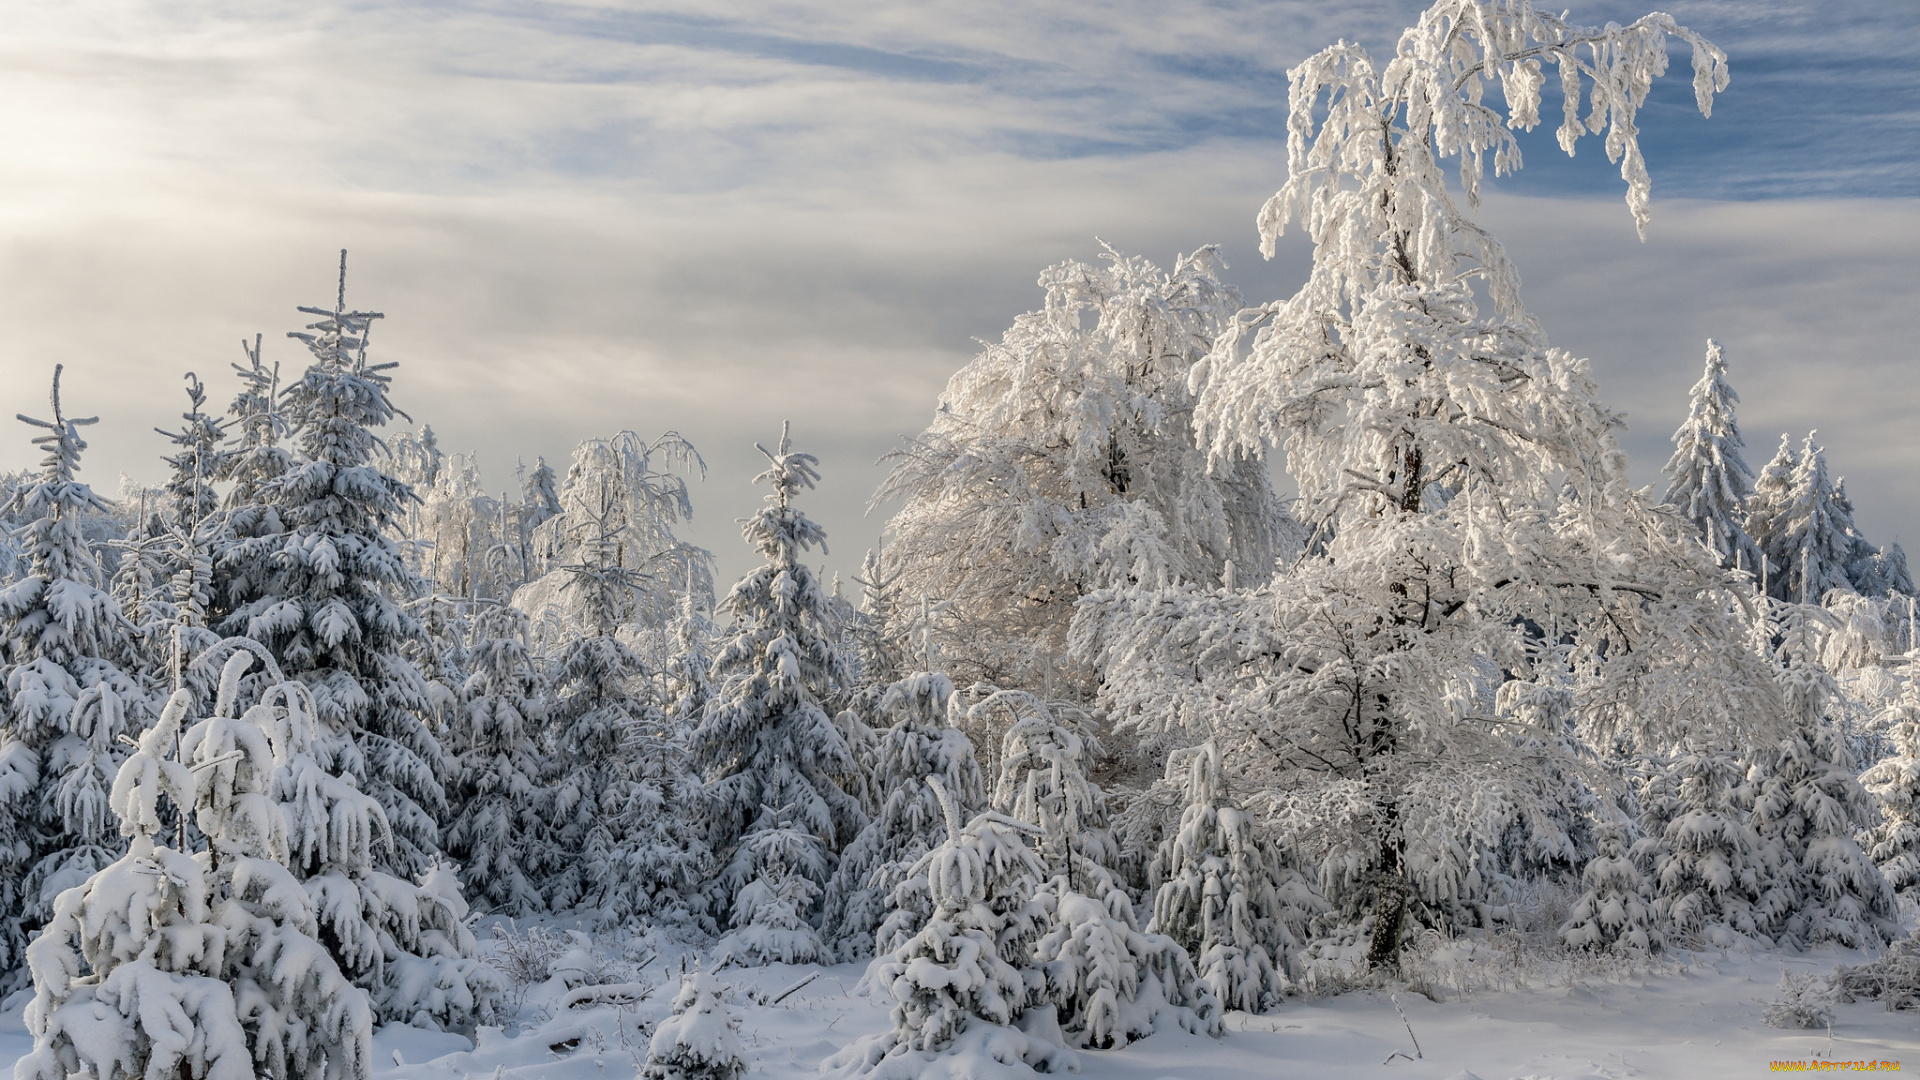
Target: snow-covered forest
330,756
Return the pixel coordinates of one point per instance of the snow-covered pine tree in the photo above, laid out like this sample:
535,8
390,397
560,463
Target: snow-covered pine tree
1882,572
1709,481
1707,866
1614,911
909,821
966,978
878,631
1807,809
1466,472
701,1040
70,695
316,577
1894,841
1062,460
500,833
1224,894
203,964
766,749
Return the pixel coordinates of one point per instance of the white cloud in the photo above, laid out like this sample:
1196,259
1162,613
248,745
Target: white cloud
583,218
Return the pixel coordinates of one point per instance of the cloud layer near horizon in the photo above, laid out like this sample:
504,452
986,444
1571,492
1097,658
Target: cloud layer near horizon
587,217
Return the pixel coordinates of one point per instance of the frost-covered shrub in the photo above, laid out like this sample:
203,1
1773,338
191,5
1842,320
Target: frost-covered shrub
1894,978
701,1040
1805,1001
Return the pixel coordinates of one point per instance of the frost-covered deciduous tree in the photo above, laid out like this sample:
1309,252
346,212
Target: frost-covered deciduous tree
1224,894
766,748
1708,478
909,821
1062,461
964,982
623,497
1463,470
318,579
70,694
206,964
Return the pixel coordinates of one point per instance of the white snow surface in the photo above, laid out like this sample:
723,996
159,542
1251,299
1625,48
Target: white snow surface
1700,1019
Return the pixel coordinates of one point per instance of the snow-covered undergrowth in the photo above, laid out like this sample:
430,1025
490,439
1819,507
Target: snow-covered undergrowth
1495,1009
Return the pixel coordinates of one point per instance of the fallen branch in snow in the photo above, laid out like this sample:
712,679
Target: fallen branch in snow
620,993
789,991
1395,998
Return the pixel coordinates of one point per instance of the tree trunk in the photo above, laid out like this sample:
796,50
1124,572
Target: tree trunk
1390,901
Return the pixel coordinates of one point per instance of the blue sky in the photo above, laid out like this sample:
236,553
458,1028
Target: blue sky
581,217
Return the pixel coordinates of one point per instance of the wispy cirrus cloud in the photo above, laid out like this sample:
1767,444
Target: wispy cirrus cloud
594,215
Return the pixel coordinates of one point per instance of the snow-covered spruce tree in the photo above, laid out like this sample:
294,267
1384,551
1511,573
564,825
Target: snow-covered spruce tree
766,749
1223,893
1883,572
408,945
197,462
1894,841
1111,981
1767,514
965,979
624,805
317,578
203,964
70,695
1062,460
258,428
909,821
1707,866
701,1040
1818,537
1708,478
1807,809
771,918
878,631
1466,472
1614,910
500,834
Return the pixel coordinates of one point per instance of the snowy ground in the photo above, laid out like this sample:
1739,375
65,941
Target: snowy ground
1702,1020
